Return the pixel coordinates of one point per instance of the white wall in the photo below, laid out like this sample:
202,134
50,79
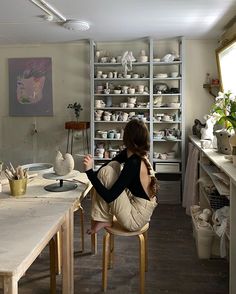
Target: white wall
199,60
70,70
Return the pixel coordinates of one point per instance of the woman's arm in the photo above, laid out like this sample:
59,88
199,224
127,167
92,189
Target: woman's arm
127,175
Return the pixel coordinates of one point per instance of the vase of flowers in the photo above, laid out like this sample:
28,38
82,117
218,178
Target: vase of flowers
77,109
224,113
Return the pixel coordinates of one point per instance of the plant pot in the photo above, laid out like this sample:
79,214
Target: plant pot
223,144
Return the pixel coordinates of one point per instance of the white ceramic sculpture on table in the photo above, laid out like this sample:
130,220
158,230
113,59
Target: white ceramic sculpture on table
63,171
63,165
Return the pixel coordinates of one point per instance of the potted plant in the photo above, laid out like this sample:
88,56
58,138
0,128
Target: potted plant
77,109
224,113
224,110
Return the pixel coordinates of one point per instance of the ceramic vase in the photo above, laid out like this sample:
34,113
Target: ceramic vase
223,144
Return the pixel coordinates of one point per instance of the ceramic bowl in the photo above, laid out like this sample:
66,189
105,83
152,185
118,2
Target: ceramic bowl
174,104
143,58
130,105
135,76
174,74
117,91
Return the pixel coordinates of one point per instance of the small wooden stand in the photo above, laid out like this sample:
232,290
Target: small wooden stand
72,126
212,89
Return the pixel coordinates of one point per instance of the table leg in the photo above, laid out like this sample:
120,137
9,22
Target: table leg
10,285
58,252
71,143
68,140
83,139
68,254
87,140
53,262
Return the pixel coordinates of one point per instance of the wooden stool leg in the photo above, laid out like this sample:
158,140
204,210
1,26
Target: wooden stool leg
53,265
145,234
142,262
94,244
111,252
106,254
58,246
81,211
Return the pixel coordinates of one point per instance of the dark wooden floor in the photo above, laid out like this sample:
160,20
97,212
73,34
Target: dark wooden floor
174,267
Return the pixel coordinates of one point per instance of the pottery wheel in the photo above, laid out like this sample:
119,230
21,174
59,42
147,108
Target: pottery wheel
65,182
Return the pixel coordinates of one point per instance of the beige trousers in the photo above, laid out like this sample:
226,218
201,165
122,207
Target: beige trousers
131,212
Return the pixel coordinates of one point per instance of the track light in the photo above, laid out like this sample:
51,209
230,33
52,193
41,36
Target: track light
46,7
52,13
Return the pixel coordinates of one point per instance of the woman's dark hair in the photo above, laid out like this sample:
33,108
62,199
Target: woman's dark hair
136,137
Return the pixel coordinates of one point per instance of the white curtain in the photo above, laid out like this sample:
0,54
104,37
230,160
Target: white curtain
190,193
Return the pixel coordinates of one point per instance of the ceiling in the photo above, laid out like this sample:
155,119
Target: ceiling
20,21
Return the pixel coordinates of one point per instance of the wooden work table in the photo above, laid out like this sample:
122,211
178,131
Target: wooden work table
217,159
29,223
26,228
35,189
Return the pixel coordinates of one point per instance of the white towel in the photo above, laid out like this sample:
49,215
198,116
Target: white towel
190,193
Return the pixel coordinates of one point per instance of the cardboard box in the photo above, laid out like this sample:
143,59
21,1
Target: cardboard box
167,167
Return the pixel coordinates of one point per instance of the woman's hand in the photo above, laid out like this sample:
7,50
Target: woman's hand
88,162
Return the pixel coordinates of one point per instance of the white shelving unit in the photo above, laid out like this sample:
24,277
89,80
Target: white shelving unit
150,103
212,164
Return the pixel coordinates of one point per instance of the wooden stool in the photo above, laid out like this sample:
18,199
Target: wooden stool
108,251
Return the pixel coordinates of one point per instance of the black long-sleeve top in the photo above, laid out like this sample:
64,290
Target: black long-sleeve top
129,178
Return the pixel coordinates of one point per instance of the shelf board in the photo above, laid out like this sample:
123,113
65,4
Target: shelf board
167,63
211,88
167,94
167,122
167,79
210,170
160,108
122,108
111,121
162,140
121,79
107,64
107,139
155,160
120,95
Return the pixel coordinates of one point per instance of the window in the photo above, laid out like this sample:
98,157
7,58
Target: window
226,62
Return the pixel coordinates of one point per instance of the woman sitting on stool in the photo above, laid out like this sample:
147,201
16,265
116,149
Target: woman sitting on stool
128,192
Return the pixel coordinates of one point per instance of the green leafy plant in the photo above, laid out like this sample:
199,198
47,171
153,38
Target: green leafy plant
77,109
224,110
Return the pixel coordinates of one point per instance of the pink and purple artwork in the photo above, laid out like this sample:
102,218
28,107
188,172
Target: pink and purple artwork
30,86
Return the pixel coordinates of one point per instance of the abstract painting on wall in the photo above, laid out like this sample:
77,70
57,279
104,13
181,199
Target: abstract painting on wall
30,86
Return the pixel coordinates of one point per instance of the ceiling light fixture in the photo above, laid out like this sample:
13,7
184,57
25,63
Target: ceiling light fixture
76,25
52,13
46,7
